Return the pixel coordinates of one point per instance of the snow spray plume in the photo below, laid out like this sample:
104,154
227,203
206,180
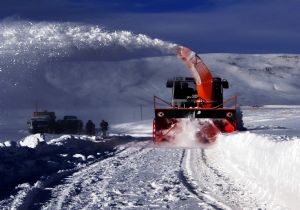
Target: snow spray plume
68,60
27,43
193,133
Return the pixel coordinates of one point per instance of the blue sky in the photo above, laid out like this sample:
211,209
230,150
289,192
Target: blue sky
237,26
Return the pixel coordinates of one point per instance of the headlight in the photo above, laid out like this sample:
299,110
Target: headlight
160,114
229,114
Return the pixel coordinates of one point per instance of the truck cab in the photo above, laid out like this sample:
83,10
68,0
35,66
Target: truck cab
42,122
184,91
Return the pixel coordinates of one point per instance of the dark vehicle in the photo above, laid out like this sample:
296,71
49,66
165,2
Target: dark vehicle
69,125
45,122
42,122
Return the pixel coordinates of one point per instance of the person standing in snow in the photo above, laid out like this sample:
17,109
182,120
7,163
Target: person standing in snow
104,128
90,128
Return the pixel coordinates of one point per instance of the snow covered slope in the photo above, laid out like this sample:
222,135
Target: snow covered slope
84,70
85,67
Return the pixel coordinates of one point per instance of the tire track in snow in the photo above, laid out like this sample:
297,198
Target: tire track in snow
213,184
190,185
190,178
34,196
66,191
136,178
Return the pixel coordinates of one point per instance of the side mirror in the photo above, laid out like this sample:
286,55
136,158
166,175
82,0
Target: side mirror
170,83
225,84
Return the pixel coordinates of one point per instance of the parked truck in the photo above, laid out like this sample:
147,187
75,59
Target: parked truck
45,122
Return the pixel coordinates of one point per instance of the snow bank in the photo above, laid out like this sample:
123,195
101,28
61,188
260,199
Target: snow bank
8,144
32,141
33,157
267,166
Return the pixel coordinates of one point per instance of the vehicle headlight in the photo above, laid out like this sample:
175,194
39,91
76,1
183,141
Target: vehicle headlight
160,114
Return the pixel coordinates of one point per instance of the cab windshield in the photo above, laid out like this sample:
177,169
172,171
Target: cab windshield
183,89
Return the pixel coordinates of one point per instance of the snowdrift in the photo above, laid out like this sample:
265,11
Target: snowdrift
33,157
266,166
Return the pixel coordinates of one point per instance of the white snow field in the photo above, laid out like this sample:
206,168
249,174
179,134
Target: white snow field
95,74
244,170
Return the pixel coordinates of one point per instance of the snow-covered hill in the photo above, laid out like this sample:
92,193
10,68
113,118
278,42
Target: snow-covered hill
86,70
114,90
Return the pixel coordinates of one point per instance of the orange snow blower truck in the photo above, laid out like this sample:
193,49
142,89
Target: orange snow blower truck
198,98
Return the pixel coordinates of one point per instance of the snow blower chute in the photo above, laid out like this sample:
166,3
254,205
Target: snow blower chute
199,98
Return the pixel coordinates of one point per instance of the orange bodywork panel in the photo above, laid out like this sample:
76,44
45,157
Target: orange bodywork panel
201,74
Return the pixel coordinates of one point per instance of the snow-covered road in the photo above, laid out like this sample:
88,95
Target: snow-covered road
253,169
138,176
